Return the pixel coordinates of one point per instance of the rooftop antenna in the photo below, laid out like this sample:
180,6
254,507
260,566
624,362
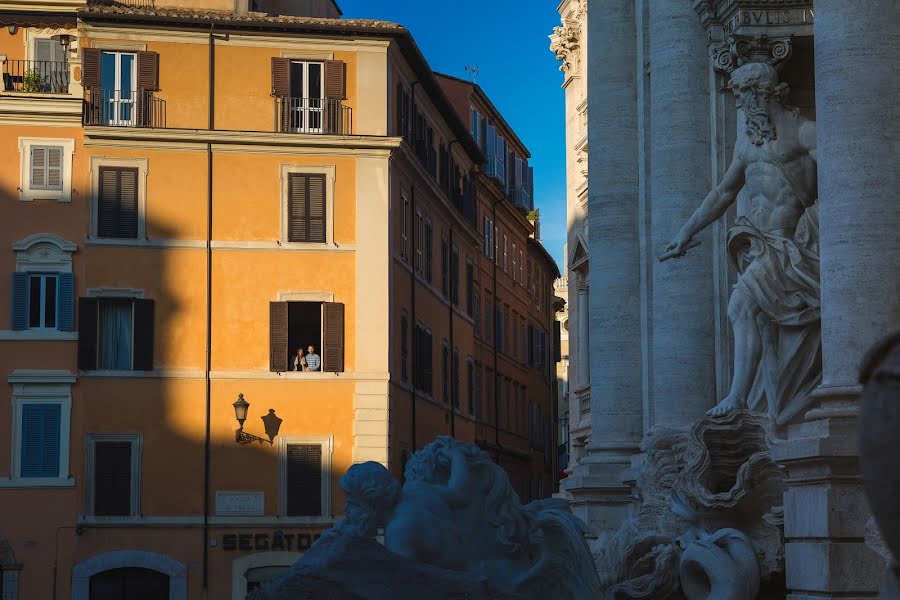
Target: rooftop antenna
472,70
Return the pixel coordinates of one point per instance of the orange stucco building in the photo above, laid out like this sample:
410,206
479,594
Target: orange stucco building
191,192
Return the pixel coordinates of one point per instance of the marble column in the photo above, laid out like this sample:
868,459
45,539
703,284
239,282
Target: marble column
582,370
595,486
681,325
857,53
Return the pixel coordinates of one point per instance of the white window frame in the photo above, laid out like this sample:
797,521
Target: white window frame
329,172
41,387
142,166
137,442
43,275
116,100
327,444
26,192
305,106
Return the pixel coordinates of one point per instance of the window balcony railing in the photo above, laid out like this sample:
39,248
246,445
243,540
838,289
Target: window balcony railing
124,108
495,167
36,76
521,198
319,116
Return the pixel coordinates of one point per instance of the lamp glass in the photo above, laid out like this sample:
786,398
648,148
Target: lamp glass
240,409
12,28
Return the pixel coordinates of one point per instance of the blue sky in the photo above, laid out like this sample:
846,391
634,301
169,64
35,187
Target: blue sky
507,39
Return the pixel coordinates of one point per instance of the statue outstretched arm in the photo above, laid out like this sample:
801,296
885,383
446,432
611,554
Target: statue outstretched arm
456,493
713,206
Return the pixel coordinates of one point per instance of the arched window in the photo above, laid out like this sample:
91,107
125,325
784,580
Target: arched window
129,575
9,572
129,583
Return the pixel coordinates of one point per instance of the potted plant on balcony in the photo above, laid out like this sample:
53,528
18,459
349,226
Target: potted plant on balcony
32,81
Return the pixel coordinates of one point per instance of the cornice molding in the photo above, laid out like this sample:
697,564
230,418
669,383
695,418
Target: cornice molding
32,109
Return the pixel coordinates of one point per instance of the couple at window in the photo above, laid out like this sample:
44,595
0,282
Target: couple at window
308,361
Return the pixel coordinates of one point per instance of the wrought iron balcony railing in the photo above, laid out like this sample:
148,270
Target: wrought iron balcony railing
521,198
36,76
124,108
322,116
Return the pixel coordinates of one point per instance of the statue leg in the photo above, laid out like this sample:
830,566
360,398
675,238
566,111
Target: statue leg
742,311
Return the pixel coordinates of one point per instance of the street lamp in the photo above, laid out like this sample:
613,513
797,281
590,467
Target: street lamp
12,28
271,423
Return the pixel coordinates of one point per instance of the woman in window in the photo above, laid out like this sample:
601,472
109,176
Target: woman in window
300,360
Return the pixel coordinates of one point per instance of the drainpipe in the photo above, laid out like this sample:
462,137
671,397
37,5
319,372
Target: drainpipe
494,334
412,282
450,311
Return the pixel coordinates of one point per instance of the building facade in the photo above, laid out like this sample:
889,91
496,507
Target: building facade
687,101
194,192
561,291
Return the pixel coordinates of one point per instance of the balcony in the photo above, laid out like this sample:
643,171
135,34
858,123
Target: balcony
521,198
315,116
495,167
584,400
36,76
124,108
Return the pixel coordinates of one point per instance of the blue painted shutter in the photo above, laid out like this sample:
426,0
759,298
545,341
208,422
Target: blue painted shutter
65,299
40,440
20,301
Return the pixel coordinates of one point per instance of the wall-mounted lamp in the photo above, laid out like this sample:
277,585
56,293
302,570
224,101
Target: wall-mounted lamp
271,423
12,28
65,40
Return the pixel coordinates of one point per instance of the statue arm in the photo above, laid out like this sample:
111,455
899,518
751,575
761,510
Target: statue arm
456,492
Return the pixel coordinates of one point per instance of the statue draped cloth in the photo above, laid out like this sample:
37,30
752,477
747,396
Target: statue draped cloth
781,275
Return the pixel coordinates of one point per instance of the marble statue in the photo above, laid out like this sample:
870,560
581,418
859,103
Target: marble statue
879,449
456,529
708,524
774,308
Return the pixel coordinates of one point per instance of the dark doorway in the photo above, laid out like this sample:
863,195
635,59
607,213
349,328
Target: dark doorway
304,327
130,583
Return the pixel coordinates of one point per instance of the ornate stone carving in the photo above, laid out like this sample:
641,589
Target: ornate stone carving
709,520
565,42
774,243
738,50
456,529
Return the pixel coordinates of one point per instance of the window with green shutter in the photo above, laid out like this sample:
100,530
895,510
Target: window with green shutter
40,440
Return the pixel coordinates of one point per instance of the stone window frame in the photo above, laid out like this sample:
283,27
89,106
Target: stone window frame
117,559
137,444
40,387
327,444
64,194
142,165
329,172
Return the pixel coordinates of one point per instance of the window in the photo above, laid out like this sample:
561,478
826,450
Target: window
305,477
477,390
422,359
300,324
42,404
488,310
429,249
523,341
46,169
445,373
515,335
454,276
476,312
470,386
420,243
516,398
470,287
498,327
50,64
113,475
129,583
306,218
506,328
404,347
404,227
454,388
117,215
505,253
115,333
42,301
521,268
489,383
445,266
496,254
118,88
305,105
515,271
488,244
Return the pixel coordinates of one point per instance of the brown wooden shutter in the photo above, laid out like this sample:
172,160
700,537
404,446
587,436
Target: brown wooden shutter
148,71
278,337
334,79
298,202
304,480
112,478
118,211
333,337
143,335
90,67
316,214
87,334
281,76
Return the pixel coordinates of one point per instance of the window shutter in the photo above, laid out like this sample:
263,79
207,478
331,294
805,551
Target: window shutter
19,301
316,213
40,440
90,67
54,167
87,333
557,341
333,337
148,71
428,370
278,337
112,478
429,250
65,301
117,203
143,335
281,76
306,208
39,167
304,480
334,80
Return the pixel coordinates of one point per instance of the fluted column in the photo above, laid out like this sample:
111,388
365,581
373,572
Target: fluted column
582,370
682,328
857,50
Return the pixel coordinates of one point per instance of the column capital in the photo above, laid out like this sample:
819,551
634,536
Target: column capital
737,50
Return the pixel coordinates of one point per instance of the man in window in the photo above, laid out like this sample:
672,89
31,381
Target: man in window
313,362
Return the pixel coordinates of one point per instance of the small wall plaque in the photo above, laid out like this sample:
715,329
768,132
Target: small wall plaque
240,503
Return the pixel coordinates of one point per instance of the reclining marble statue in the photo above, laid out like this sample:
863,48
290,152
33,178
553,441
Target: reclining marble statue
774,308
455,529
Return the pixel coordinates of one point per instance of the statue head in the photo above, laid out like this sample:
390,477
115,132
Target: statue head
371,496
753,86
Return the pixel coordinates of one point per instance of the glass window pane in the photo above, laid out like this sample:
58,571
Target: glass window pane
108,71
296,79
315,80
115,337
34,301
126,80
50,301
